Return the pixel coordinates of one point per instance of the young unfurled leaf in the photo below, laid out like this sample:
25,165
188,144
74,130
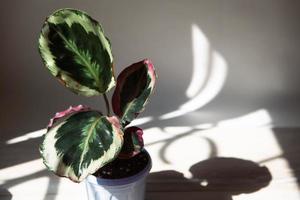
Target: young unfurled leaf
76,51
134,86
81,144
133,142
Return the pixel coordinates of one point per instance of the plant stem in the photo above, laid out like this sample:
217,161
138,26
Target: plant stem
106,104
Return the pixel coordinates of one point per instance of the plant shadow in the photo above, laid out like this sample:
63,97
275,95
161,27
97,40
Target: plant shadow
5,194
217,178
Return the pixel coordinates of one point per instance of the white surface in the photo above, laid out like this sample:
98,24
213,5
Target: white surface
30,180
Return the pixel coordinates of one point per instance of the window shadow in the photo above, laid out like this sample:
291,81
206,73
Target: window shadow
23,152
217,178
5,194
288,138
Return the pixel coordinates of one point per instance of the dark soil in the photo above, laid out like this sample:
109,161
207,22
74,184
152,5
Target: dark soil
122,168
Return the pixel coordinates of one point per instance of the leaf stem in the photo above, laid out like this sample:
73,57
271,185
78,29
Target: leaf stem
106,104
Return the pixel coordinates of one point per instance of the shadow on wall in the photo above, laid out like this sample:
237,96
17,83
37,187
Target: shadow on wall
213,179
257,39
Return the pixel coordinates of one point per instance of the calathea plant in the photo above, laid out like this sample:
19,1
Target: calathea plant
79,140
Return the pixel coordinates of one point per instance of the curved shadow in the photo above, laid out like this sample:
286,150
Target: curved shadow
216,179
162,152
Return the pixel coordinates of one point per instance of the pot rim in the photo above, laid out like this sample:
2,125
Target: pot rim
122,181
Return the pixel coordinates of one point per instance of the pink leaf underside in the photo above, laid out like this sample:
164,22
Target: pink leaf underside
151,69
138,132
69,111
115,121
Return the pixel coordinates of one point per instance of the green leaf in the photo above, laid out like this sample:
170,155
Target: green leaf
81,144
76,51
134,86
133,142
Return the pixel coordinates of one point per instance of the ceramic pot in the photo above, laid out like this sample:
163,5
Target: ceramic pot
129,188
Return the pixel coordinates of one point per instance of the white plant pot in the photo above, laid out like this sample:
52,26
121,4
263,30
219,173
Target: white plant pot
130,188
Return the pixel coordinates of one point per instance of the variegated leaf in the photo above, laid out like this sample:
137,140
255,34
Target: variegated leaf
81,144
76,51
133,142
134,86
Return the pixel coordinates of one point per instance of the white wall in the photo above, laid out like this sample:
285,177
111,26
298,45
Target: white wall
256,42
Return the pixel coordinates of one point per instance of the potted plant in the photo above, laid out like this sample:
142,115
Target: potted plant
85,144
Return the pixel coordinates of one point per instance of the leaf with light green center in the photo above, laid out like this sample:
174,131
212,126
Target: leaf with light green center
134,86
76,51
81,144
